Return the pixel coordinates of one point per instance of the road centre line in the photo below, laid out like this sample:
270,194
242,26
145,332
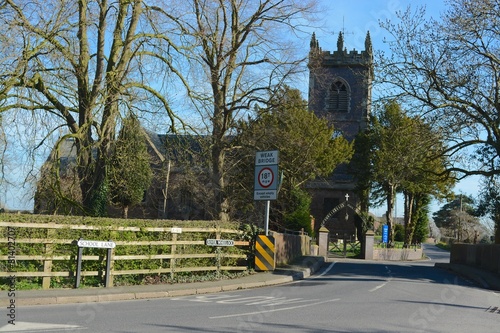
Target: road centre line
383,284
378,287
273,310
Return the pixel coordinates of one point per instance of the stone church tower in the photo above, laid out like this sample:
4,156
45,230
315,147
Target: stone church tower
340,91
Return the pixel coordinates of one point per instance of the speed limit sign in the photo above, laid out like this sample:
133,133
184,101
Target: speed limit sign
265,177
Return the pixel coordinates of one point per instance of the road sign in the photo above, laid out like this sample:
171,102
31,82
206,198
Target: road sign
84,243
269,157
385,233
97,244
219,242
266,175
266,182
265,254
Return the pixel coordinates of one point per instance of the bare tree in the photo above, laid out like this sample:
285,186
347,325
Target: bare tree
80,64
77,65
449,72
237,53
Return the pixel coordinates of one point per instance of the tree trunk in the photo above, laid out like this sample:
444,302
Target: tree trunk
409,221
390,207
222,201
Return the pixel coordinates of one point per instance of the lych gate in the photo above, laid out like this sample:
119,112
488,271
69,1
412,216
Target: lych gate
339,241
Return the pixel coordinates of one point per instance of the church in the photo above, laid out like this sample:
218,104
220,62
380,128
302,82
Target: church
339,90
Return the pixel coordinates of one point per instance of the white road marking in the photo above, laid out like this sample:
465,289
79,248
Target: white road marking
326,271
38,327
378,287
315,276
383,284
273,310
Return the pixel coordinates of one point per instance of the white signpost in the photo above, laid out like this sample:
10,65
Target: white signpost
266,179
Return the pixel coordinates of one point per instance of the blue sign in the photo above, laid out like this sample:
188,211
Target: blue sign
385,233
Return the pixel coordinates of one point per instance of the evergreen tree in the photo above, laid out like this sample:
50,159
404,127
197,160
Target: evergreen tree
129,173
399,153
300,217
421,216
307,149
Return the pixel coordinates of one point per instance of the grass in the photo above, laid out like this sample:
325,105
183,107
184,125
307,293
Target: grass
443,246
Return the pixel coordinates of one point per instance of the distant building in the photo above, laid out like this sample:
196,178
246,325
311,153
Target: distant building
175,193
340,85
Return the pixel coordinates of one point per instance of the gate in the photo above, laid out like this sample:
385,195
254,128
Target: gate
343,243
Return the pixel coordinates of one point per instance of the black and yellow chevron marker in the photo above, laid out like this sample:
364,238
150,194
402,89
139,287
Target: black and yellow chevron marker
264,253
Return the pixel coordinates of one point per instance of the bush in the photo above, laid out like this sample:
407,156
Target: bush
399,233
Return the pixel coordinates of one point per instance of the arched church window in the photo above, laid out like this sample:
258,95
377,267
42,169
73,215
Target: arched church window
338,99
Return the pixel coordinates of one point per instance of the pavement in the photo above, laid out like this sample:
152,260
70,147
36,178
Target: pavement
480,277
301,269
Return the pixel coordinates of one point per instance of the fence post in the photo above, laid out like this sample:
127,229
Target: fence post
173,249
218,251
47,262
109,278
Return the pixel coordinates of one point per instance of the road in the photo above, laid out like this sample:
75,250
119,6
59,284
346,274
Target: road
435,254
346,296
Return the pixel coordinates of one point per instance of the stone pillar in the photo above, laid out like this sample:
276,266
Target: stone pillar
323,240
367,250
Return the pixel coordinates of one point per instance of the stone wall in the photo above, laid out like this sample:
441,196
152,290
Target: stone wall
289,247
484,256
397,254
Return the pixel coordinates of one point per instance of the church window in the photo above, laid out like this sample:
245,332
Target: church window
338,99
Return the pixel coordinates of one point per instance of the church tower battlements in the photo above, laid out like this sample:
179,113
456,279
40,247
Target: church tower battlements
340,85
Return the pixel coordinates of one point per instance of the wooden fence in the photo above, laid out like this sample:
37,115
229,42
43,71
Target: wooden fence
176,252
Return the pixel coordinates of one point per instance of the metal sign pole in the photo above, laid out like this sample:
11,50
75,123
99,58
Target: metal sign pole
78,267
108,268
266,220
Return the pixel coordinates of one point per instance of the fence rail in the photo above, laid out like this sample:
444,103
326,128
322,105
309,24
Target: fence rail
177,250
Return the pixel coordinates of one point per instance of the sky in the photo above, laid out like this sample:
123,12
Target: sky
354,18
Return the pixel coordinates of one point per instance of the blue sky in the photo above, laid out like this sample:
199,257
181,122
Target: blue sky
355,18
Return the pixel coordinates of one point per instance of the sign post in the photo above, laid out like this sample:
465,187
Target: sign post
266,180
82,243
